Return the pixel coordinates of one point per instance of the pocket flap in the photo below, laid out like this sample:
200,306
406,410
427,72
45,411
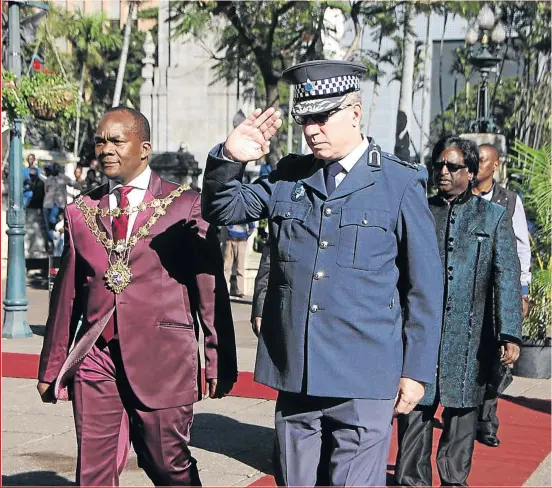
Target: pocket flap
365,217
291,210
479,232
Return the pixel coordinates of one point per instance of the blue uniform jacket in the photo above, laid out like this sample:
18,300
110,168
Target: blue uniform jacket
341,268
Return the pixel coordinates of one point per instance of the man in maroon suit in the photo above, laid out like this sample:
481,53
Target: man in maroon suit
142,268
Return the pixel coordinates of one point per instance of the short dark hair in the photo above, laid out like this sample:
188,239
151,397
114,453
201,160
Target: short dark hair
142,124
469,150
493,147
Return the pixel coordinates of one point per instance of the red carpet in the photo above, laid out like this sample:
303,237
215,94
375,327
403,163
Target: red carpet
525,437
524,430
18,365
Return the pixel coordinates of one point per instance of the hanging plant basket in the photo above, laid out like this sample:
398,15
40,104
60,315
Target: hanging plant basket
48,103
44,96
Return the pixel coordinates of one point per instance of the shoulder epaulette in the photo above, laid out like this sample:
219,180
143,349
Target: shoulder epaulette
395,159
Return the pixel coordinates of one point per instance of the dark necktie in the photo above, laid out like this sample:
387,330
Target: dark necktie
119,226
332,170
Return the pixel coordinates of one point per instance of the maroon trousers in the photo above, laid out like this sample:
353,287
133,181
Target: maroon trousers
108,417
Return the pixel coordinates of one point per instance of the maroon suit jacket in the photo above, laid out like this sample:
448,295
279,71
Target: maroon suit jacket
177,281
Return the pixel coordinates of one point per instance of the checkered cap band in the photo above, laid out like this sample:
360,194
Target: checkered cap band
339,85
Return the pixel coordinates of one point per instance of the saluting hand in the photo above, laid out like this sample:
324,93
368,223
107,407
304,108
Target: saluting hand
409,394
249,141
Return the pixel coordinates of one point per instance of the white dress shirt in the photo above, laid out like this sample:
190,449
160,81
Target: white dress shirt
519,223
135,196
350,160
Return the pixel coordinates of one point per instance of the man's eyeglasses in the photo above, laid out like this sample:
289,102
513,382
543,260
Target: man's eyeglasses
320,118
451,167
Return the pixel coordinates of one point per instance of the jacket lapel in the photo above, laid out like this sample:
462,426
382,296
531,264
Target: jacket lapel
358,178
105,222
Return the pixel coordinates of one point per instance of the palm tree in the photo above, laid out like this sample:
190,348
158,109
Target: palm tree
535,167
132,5
385,25
89,36
425,86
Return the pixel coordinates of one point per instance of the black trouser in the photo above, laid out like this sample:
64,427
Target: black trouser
454,455
487,422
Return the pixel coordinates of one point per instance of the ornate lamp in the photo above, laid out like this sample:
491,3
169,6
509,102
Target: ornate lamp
484,59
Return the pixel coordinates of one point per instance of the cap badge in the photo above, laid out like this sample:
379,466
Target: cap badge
308,85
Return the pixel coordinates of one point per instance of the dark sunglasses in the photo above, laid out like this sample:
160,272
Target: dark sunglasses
451,167
320,118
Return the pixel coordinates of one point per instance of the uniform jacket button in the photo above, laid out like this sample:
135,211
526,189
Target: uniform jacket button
328,212
287,214
364,221
314,308
323,244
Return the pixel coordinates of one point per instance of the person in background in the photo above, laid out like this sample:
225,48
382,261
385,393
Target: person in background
101,179
78,175
27,184
487,188
259,290
481,322
90,181
55,198
37,193
236,248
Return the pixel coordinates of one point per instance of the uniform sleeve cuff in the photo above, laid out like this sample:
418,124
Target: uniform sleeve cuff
510,338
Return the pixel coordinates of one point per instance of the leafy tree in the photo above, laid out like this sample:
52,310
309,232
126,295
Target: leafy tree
257,40
132,6
534,166
89,35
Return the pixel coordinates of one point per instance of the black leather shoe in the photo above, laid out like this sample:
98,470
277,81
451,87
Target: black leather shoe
490,440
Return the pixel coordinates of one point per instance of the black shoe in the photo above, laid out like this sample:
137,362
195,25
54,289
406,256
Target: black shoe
490,440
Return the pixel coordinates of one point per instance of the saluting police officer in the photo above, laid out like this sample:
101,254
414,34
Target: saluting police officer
351,242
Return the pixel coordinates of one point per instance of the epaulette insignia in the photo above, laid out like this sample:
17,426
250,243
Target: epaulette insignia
395,159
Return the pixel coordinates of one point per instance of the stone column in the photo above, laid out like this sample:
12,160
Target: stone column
146,89
163,58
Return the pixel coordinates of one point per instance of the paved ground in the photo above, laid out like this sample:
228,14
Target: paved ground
231,438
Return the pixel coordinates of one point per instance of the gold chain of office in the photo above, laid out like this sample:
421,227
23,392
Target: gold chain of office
119,275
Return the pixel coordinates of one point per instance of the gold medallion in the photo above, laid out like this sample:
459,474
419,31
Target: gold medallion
118,276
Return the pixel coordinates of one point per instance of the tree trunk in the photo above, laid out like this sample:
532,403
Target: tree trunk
273,100
402,131
124,55
441,73
425,89
375,91
79,101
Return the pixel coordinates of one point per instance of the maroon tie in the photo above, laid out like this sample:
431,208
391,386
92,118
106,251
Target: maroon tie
120,223
119,226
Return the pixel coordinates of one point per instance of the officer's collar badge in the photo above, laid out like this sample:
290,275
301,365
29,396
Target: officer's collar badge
298,191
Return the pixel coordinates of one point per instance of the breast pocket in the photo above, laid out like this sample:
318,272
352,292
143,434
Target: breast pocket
365,239
288,220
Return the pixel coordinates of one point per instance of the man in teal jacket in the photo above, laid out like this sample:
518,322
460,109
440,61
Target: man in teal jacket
481,271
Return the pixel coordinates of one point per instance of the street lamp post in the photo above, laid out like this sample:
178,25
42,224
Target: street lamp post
484,59
15,303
